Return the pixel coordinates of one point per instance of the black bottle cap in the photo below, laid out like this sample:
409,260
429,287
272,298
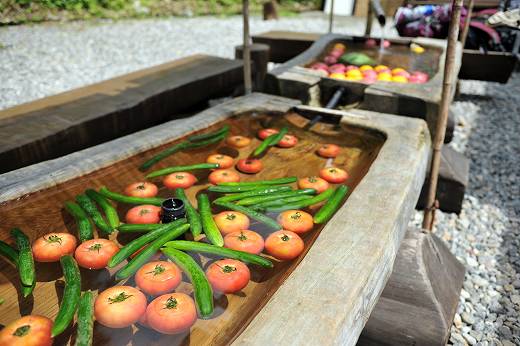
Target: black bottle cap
172,209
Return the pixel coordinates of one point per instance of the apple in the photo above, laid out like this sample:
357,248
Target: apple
339,68
330,60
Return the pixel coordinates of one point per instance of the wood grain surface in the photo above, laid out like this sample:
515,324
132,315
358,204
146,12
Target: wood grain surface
42,212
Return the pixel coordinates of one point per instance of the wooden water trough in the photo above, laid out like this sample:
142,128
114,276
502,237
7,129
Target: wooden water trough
336,281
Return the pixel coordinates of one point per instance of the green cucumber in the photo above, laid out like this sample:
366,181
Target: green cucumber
88,206
71,295
332,205
169,170
270,141
84,227
232,189
85,320
25,258
272,224
129,199
204,136
277,181
208,224
138,243
281,202
9,252
143,227
27,290
191,213
195,246
260,191
201,287
302,204
274,197
181,146
108,208
138,261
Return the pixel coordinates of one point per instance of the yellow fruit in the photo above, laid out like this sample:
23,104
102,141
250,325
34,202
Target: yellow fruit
414,47
380,68
366,68
354,73
398,70
353,77
340,46
399,79
384,76
337,75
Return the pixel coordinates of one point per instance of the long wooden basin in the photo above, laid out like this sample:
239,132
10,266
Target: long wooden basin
324,296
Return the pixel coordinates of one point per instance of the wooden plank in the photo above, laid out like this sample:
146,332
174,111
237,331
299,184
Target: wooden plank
339,279
285,45
490,66
64,123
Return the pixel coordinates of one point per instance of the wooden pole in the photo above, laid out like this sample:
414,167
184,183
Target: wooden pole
449,76
331,15
465,29
247,48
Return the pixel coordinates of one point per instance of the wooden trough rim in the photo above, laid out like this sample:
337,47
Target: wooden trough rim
329,296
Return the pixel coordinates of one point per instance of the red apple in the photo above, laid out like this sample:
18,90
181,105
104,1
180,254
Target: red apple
337,68
330,60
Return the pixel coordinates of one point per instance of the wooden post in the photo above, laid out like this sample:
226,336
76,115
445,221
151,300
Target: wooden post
331,15
465,29
247,52
449,76
370,17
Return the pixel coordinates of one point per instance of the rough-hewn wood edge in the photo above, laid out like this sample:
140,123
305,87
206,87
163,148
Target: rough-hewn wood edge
329,296
16,184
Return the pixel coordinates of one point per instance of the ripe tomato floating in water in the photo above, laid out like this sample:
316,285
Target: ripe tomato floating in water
171,313
141,189
223,176
159,277
143,214
288,141
313,182
244,240
119,306
183,180
224,161
95,253
296,221
284,245
328,150
251,166
228,275
31,330
231,221
334,175
264,133
238,141
51,247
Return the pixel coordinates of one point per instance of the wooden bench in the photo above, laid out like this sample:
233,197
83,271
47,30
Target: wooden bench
57,125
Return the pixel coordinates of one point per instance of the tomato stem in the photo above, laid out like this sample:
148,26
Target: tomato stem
227,268
95,247
140,187
22,331
296,215
285,237
171,303
53,238
179,176
242,236
143,212
231,216
121,297
157,270
312,179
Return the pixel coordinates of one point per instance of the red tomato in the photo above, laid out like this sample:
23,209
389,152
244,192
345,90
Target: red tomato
156,278
119,306
223,176
231,221
224,161
264,133
288,141
313,182
31,330
296,221
95,253
171,313
179,179
284,245
228,275
249,165
52,246
238,141
245,240
144,214
333,175
328,150
141,189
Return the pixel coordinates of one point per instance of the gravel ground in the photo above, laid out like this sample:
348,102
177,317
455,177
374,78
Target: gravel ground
486,236
41,60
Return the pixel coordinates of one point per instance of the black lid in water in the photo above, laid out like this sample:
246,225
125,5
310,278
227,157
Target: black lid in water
172,209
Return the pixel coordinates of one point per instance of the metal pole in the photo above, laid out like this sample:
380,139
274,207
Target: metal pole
331,15
370,14
449,76
247,49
